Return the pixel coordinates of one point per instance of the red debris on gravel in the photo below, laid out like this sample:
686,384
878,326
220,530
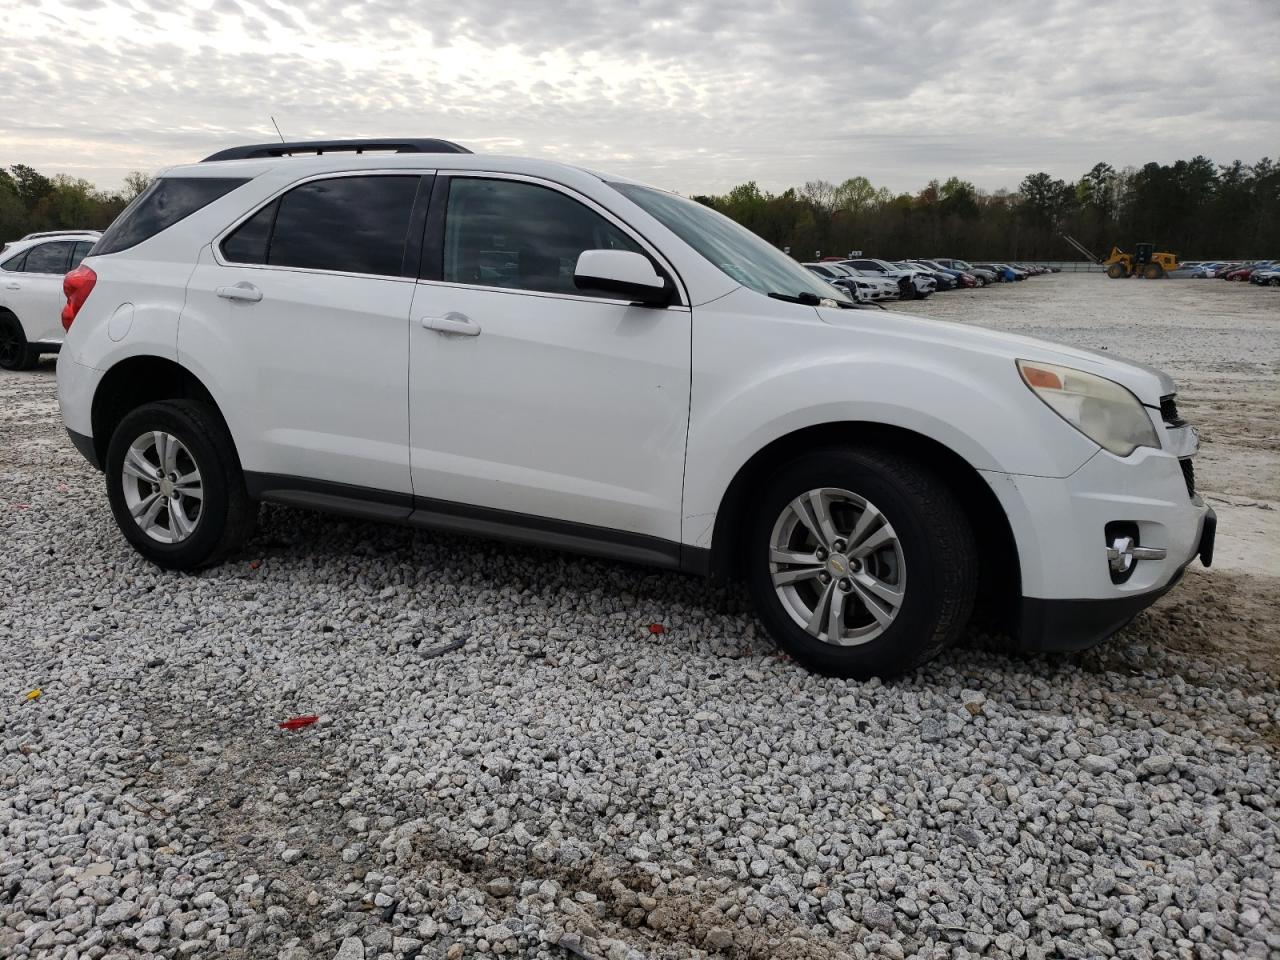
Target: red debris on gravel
297,723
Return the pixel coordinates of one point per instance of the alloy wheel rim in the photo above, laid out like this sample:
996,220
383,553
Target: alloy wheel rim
162,487
837,566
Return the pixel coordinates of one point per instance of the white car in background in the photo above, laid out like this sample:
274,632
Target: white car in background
31,295
865,289
918,285
533,352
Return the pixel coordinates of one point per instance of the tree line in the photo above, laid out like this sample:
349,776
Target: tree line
31,201
1195,208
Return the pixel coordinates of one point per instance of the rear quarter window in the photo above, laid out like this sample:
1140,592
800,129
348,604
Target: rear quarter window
159,207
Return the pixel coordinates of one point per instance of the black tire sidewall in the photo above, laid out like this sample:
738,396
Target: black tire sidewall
12,327
907,641
203,544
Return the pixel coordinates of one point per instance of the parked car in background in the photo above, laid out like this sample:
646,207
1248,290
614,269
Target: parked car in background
1244,273
1264,278
913,283
835,276
31,295
942,279
962,277
1027,269
46,234
870,287
1003,272
982,274
537,353
1190,272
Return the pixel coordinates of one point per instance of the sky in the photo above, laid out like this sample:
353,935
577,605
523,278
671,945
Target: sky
690,96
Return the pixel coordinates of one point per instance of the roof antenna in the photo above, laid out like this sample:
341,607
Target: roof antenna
277,126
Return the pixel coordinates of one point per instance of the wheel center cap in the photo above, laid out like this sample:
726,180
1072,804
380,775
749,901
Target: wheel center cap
837,565
166,487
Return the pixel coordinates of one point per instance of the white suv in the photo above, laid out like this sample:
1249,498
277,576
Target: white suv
534,352
31,295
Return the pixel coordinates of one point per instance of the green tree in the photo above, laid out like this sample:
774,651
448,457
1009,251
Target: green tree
32,186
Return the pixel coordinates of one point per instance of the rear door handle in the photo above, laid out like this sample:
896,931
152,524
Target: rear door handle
458,324
243,291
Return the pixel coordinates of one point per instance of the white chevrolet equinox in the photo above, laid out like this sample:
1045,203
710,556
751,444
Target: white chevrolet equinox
405,331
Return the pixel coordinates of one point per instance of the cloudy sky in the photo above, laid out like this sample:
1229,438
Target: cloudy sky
692,96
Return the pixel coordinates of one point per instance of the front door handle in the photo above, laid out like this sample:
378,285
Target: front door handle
458,324
242,291
13,286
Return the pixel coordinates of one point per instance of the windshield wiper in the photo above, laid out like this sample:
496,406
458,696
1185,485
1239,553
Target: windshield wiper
811,299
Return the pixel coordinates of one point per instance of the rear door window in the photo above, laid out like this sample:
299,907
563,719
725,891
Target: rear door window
341,224
81,251
159,207
48,258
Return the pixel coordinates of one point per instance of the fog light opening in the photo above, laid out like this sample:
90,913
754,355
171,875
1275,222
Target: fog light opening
1124,550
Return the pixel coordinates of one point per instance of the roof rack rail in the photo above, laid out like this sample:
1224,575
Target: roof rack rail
61,233
257,151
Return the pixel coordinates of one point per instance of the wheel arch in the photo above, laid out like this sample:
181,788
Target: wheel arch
1000,580
136,380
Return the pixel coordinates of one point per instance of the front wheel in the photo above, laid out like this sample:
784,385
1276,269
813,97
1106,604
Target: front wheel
861,562
1117,271
175,486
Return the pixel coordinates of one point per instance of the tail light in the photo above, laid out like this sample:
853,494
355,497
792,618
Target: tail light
77,285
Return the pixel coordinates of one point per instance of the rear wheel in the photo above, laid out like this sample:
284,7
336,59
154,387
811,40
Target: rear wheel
15,352
1117,271
1154,271
862,563
175,486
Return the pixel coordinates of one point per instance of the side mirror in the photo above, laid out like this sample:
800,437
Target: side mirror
629,275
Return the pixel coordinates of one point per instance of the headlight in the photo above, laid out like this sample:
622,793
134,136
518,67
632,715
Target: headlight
1101,409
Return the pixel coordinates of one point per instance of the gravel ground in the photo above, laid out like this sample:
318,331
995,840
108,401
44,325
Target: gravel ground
508,762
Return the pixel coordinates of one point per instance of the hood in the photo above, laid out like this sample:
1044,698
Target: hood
1147,383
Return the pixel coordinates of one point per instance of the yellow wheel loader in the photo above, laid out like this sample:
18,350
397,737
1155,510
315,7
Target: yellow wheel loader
1146,262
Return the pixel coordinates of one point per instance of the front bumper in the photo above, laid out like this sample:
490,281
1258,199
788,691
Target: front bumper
1076,624
85,445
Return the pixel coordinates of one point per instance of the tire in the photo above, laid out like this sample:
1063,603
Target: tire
929,559
1154,271
1117,271
216,522
15,352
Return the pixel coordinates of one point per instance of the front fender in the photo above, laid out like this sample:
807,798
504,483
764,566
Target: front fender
871,370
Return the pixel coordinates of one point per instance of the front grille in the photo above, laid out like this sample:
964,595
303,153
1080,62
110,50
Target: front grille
1169,411
1189,475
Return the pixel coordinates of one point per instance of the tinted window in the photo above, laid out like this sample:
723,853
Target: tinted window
732,248
14,262
348,224
79,253
249,242
507,233
48,258
159,207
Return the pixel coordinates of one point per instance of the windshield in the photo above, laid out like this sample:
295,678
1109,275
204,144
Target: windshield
732,248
